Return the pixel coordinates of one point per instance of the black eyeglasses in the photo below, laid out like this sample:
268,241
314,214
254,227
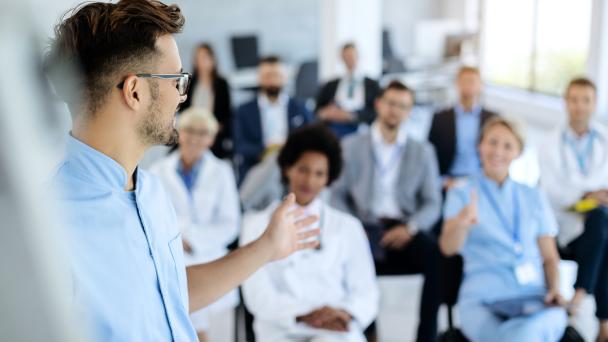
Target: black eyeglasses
183,80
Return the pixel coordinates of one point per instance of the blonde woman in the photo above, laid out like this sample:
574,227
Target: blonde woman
505,232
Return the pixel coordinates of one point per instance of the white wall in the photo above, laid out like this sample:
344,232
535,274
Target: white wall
357,21
287,28
401,17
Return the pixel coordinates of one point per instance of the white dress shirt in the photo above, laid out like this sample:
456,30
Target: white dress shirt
203,97
350,94
565,181
275,126
387,162
340,274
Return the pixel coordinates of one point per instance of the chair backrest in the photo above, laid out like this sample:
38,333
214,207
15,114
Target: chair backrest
245,51
307,80
387,50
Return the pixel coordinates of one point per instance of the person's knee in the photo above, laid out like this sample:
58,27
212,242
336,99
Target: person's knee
597,223
553,323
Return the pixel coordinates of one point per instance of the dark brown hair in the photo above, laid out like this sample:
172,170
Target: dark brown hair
581,82
207,47
104,41
272,59
395,85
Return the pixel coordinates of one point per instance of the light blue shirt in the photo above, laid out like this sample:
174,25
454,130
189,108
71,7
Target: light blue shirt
490,254
466,160
129,278
189,177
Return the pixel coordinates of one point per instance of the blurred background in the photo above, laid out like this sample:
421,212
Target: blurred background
527,51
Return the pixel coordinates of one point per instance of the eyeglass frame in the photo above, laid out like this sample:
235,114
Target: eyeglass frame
166,77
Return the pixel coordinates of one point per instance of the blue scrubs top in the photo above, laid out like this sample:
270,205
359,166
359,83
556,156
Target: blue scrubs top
490,252
128,273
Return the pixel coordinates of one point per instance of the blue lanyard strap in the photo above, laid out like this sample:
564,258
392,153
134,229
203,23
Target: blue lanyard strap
515,227
582,158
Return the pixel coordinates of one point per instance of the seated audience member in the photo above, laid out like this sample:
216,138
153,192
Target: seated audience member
327,294
346,102
391,183
203,191
211,91
261,125
574,170
454,131
505,232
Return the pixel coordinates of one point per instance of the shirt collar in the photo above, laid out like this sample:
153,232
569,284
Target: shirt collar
493,185
313,208
572,136
379,140
94,165
282,100
195,169
356,76
476,111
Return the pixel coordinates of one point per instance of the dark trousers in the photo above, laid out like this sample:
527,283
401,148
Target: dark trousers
590,251
419,256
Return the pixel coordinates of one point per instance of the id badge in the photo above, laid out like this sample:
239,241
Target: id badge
526,274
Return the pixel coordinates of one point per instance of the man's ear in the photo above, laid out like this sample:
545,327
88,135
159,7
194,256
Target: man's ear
377,103
131,92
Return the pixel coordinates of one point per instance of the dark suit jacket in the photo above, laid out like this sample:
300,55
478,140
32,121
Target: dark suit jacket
222,109
367,114
248,136
443,136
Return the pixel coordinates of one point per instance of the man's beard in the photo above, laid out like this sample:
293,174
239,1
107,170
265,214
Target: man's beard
153,131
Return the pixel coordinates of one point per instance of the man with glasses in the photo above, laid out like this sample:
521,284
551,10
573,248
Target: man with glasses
391,183
124,247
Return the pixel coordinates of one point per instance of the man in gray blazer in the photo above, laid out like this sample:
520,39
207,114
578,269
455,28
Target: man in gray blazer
391,183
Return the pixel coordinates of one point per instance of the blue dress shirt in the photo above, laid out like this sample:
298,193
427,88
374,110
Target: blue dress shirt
189,177
129,278
466,160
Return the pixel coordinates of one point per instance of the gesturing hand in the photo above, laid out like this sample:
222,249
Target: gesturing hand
284,234
468,216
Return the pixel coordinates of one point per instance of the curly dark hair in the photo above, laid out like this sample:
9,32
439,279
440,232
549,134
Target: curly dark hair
312,138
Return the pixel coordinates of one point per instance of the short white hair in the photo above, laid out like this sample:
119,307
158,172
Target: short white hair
196,115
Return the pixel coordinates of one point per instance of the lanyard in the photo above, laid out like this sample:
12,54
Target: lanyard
516,226
581,158
392,161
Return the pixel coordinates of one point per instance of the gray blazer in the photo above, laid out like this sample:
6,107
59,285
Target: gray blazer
419,189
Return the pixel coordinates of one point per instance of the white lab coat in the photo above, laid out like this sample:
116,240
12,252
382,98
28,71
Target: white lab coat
209,221
565,184
340,274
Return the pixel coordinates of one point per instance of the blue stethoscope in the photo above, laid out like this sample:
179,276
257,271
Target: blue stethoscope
515,227
581,158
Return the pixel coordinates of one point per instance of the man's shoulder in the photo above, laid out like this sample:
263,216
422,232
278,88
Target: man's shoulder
68,184
246,107
356,140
